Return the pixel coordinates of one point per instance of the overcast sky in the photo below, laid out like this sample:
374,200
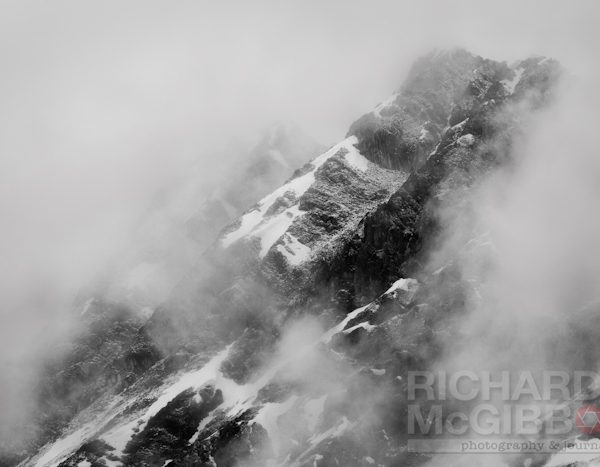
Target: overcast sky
104,102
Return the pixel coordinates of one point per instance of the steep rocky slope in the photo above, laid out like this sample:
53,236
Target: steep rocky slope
289,341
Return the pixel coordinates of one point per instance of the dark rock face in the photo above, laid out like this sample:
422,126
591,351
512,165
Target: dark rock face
237,440
336,236
404,132
167,433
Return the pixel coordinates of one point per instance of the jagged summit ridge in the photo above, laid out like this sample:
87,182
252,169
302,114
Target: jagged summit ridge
388,143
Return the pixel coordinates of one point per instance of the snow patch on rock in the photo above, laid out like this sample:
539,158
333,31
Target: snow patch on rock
294,252
402,284
340,327
364,325
357,160
460,125
466,140
271,229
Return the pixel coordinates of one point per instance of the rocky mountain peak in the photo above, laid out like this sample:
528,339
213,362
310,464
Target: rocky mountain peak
289,340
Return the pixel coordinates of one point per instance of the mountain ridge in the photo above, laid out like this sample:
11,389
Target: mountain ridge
344,241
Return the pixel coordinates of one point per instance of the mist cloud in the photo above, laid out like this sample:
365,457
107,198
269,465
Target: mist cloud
105,105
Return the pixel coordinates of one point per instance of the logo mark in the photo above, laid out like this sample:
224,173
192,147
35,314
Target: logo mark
587,419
